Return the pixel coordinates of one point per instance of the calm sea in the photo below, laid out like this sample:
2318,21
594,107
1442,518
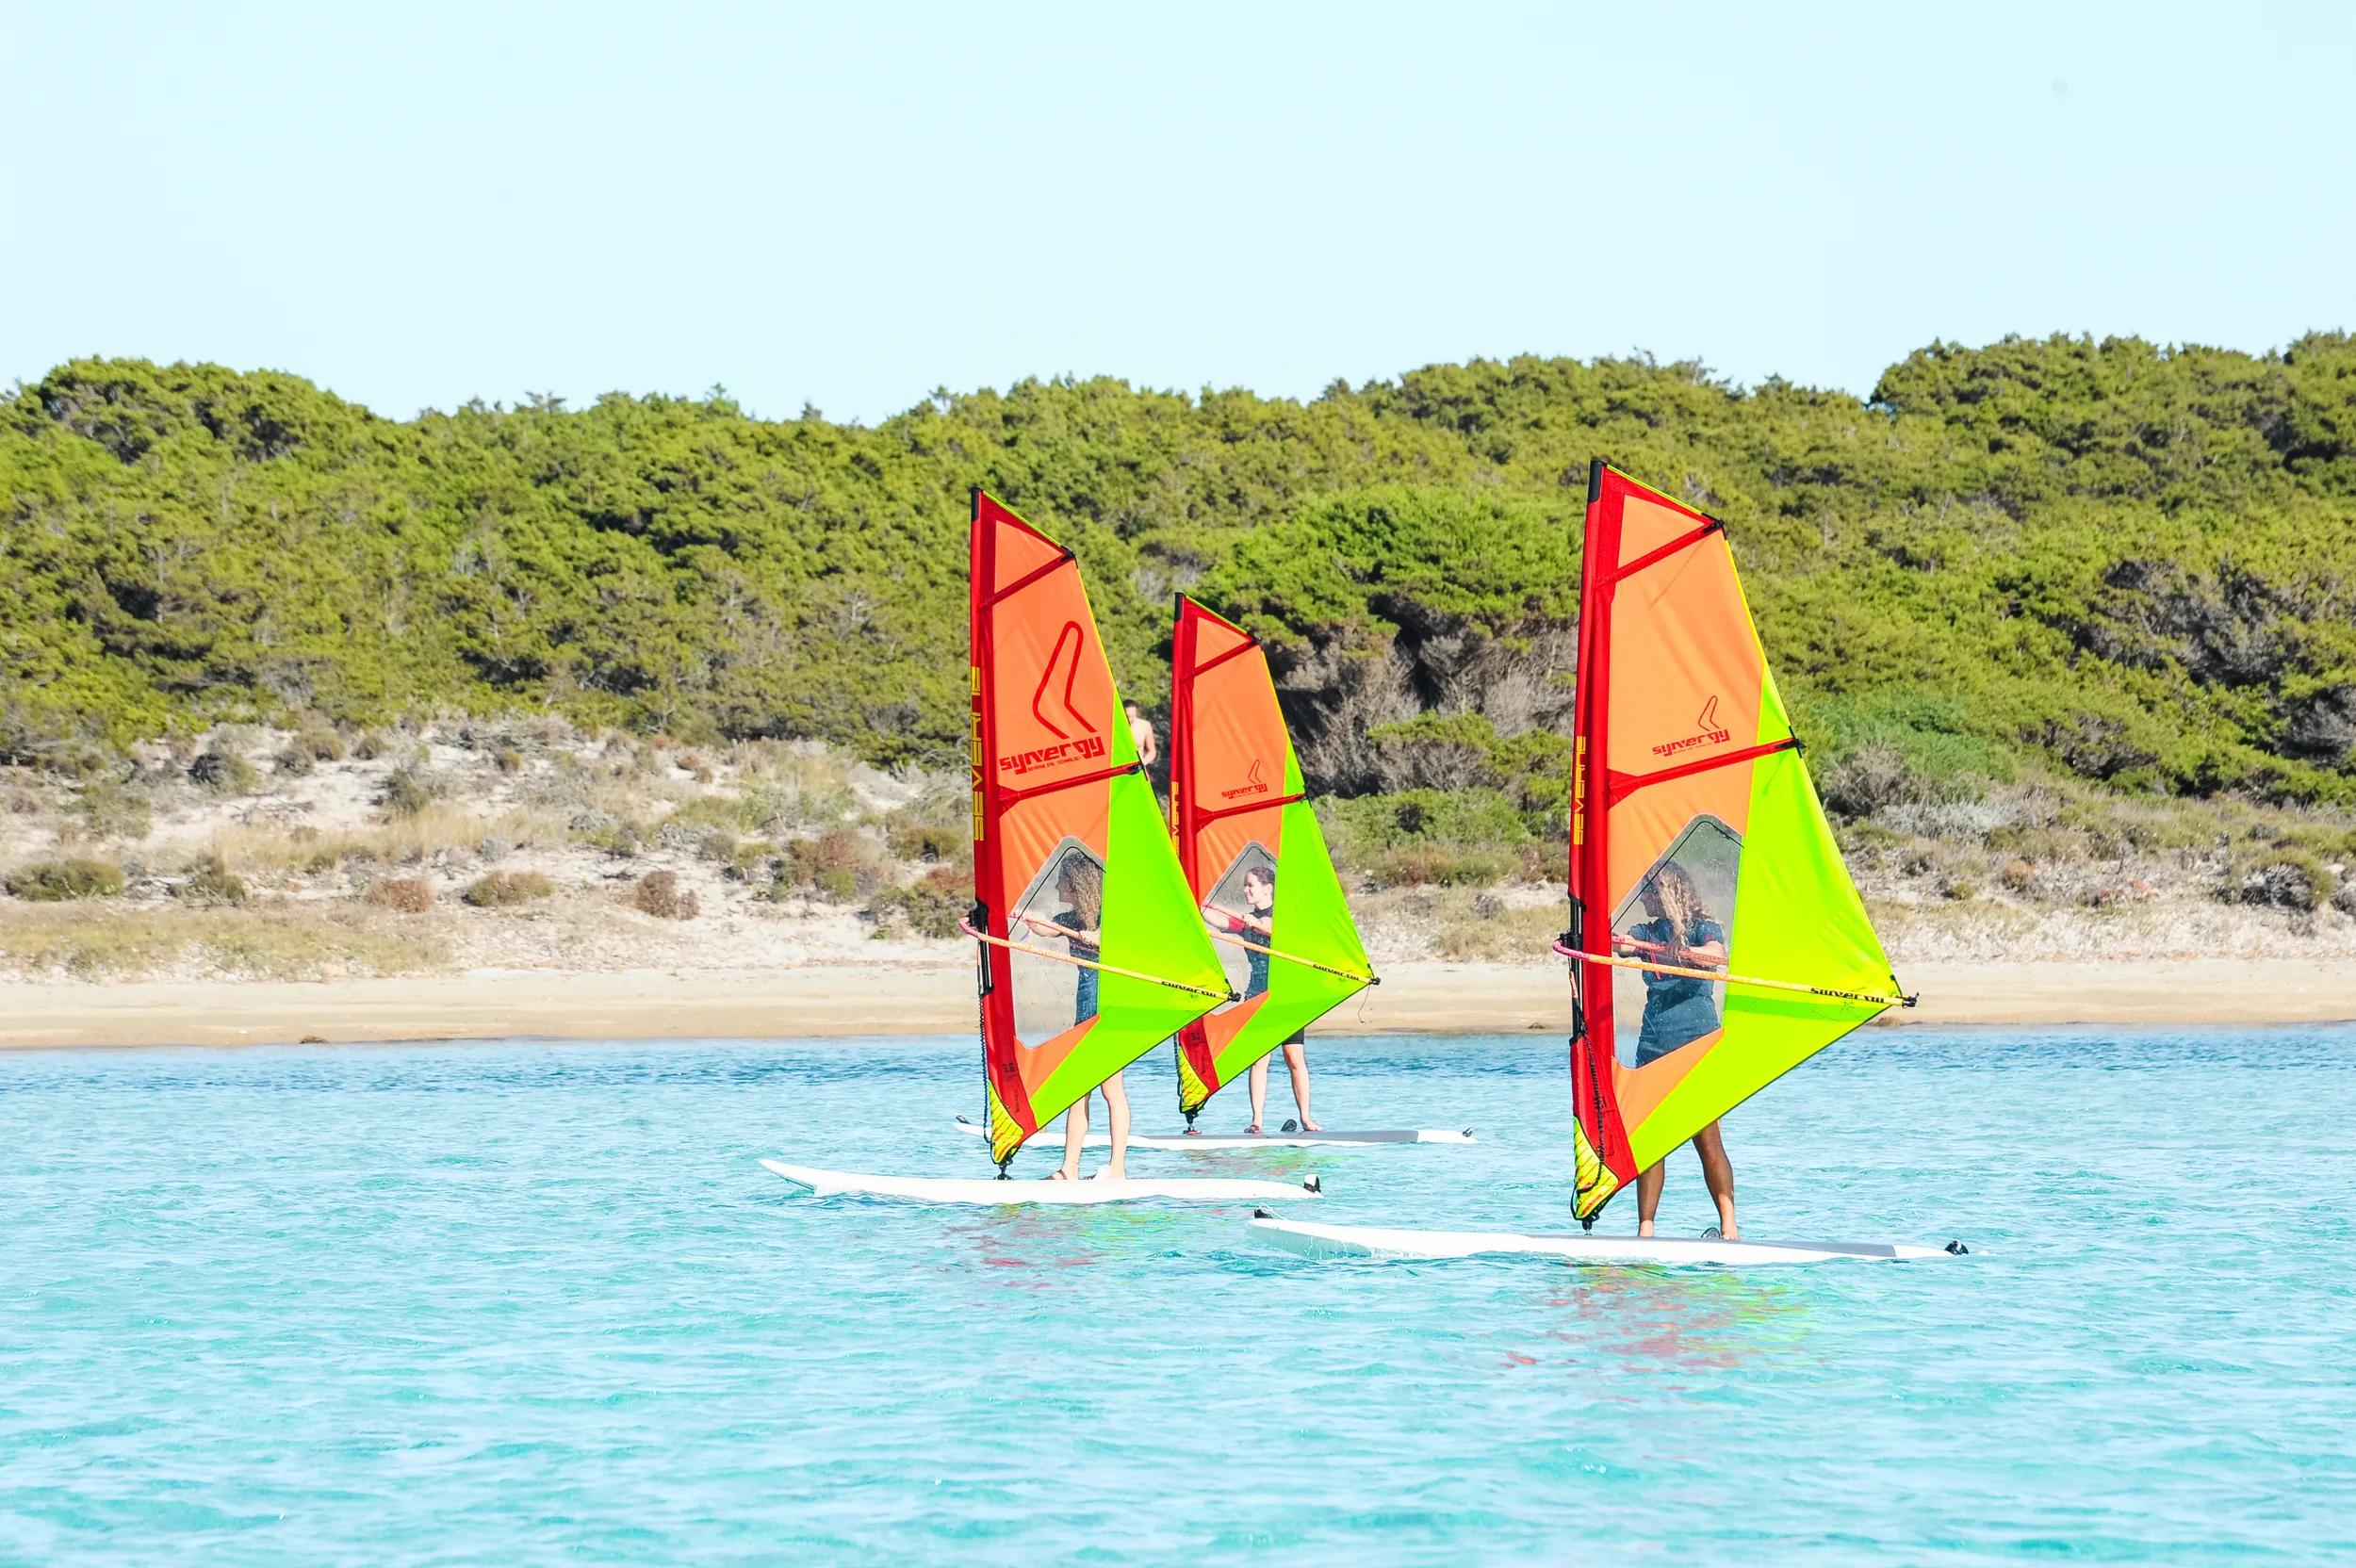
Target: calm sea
536,1302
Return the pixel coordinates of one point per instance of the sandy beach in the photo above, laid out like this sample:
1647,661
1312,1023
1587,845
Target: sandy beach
906,999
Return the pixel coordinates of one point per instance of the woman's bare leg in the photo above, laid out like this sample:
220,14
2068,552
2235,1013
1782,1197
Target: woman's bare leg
1717,1175
1259,1093
1075,1132
1649,1185
1117,1121
1297,1063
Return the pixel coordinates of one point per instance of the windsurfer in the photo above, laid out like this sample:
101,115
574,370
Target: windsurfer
1080,884
1680,1010
1258,926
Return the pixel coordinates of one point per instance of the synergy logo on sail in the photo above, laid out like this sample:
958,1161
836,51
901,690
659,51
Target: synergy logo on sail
1253,784
1067,657
1712,735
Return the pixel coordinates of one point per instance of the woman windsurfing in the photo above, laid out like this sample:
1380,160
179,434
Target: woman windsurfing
1680,1010
1080,884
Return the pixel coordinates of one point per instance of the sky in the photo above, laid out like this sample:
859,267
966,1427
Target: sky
848,206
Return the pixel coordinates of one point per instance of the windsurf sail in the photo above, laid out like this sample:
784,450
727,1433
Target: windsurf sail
1246,833
1716,940
1092,951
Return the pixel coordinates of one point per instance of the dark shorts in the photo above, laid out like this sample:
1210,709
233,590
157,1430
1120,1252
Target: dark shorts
1665,1029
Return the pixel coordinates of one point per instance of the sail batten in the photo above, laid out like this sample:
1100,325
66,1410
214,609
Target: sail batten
1717,940
1089,949
1240,813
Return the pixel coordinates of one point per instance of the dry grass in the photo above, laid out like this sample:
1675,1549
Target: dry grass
1460,924
443,825
269,942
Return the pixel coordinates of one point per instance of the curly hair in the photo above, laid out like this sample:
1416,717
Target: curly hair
1080,882
1672,891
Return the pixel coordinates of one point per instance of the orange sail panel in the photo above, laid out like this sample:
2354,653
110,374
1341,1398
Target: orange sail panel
1701,863
1246,833
1092,950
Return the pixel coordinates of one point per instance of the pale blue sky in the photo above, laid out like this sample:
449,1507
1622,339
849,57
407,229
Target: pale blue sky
419,204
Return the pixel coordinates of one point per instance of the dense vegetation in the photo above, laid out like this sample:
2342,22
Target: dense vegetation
2130,564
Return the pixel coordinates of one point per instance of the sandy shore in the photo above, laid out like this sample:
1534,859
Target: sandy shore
939,999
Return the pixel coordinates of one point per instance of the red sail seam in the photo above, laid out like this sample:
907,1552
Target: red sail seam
1207,666
1202,817
1683,541
993,601
1621,785
1015,798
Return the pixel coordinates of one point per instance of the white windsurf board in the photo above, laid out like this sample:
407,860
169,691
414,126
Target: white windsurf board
1294,1139
1374,1241
990,1190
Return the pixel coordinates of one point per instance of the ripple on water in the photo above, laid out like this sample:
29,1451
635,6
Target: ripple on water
531,1302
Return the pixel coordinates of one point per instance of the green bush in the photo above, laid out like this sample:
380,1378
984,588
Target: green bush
930,906
2101,555
408,791
209,880
1418,865
110,809
2282,878
223,769
1462,818
929,843
55,881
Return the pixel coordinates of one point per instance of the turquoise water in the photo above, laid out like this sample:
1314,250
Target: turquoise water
530,1302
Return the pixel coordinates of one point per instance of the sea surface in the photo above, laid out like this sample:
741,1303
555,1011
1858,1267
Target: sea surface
536,1302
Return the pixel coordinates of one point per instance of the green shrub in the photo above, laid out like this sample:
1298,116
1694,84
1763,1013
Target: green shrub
209,880
930,906
55,881
2283,879
318,742
1469,819
407,790
929,843
502,890
603,830
223,770
110,809
1439,865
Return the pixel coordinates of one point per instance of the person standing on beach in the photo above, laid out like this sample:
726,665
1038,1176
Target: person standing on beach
1680,1010
1080,884
1257,925
1141,733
